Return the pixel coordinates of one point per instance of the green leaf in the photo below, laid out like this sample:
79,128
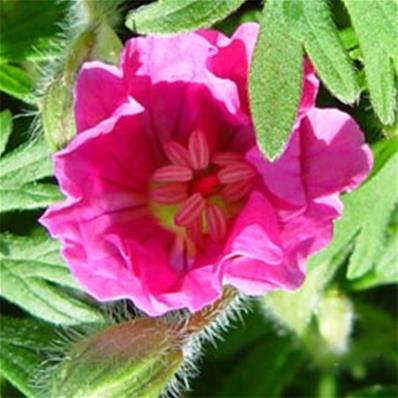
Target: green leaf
375,25
348,38
365,229
28,197
19,171
175,16
24,346
382,152
370,241
387,264
276,72
16,82
326,51
28,265
27,163
28,28
5,129
275,80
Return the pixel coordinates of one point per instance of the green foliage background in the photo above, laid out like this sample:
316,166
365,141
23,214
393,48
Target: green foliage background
278,349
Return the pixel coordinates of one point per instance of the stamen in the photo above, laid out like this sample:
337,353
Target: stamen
170,193
176,153
216,222
173,173
236,191
235,172
190,210
199,152
226,158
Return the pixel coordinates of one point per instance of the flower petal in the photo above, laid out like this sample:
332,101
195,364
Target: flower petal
255,259
325,155
99,91
335,156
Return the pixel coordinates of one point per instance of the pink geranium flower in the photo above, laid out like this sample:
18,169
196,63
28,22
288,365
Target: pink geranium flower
168,197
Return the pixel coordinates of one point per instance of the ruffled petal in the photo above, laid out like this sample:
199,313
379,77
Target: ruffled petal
156,59
306,233
233,57
255,259
282,178
334,155
115,155
326,155
99,91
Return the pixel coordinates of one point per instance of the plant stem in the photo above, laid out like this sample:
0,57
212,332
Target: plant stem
200,320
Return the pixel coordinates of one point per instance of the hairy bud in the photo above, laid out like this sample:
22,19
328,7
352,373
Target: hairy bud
130,359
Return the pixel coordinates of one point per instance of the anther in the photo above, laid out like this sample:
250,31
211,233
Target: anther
235,172
199,152
176,153
237,190
226,158
190,210
173,173
216,222
170,193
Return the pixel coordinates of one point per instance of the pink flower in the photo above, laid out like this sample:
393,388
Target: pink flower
168,198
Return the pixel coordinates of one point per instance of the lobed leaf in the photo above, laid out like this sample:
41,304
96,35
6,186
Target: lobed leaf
27,163
24,346
275,79
326,51
375,25
27,266
19,171
276,71
367,230
387,265
176,16
370,242
29,196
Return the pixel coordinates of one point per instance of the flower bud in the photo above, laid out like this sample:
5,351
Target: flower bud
335,319
57,115
130,359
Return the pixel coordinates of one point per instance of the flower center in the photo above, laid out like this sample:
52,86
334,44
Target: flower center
206,185
197,192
